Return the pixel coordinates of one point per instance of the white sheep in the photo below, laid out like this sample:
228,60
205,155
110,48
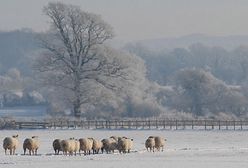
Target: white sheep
32,144
77,146
159,143
150,144
10,143
125,145
97,146
86,145
70,146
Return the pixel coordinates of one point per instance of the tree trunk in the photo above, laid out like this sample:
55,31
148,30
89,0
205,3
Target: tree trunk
77,102
77,109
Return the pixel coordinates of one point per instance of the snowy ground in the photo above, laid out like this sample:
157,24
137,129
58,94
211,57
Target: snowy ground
187,149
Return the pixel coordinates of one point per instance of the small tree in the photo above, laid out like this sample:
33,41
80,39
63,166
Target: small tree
74,59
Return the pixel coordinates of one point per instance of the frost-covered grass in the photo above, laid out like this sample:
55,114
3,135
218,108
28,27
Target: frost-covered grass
187,149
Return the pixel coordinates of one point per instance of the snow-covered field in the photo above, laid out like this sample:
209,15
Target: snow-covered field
185,149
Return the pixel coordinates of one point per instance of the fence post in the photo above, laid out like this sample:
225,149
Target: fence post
226,125
205,123
96,124
176,124
164,123
241,125
192,122
234,125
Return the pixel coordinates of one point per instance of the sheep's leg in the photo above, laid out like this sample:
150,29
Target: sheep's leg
10,151
14,151
36,151
29,152
5,151
24,149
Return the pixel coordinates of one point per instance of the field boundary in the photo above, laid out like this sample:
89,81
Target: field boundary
136,124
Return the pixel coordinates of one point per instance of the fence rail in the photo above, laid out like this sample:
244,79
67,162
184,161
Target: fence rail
138,124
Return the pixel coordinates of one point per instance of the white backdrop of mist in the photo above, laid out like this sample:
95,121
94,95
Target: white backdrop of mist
140,19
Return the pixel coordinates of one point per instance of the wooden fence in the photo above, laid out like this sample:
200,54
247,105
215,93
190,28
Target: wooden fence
138,124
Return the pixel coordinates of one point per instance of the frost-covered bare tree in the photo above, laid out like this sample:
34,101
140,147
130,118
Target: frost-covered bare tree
74,59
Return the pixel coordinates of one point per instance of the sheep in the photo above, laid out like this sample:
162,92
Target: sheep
32,144
97,145
10,143
150,144
86,145
116,138
57,146
125,145
159,143
109,145
70,146
77,146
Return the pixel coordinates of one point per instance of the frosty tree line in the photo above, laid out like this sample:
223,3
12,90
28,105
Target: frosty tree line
73,69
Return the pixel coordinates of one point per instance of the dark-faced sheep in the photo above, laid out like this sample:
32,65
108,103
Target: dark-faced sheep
150,144
32,144
57,146
10,143
109,145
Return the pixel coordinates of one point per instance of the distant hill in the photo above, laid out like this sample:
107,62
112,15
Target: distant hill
227,42
17,47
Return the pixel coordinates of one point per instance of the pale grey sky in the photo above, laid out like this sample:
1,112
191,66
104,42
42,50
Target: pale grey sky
140,19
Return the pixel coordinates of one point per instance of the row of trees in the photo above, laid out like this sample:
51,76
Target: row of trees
17,90
229,66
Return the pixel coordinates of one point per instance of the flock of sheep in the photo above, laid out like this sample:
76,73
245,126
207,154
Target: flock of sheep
87,145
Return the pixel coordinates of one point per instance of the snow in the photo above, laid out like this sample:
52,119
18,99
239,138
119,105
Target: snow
187,149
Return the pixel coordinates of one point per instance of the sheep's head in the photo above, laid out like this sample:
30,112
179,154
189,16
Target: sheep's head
151,137
131,139
15,136
34,137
